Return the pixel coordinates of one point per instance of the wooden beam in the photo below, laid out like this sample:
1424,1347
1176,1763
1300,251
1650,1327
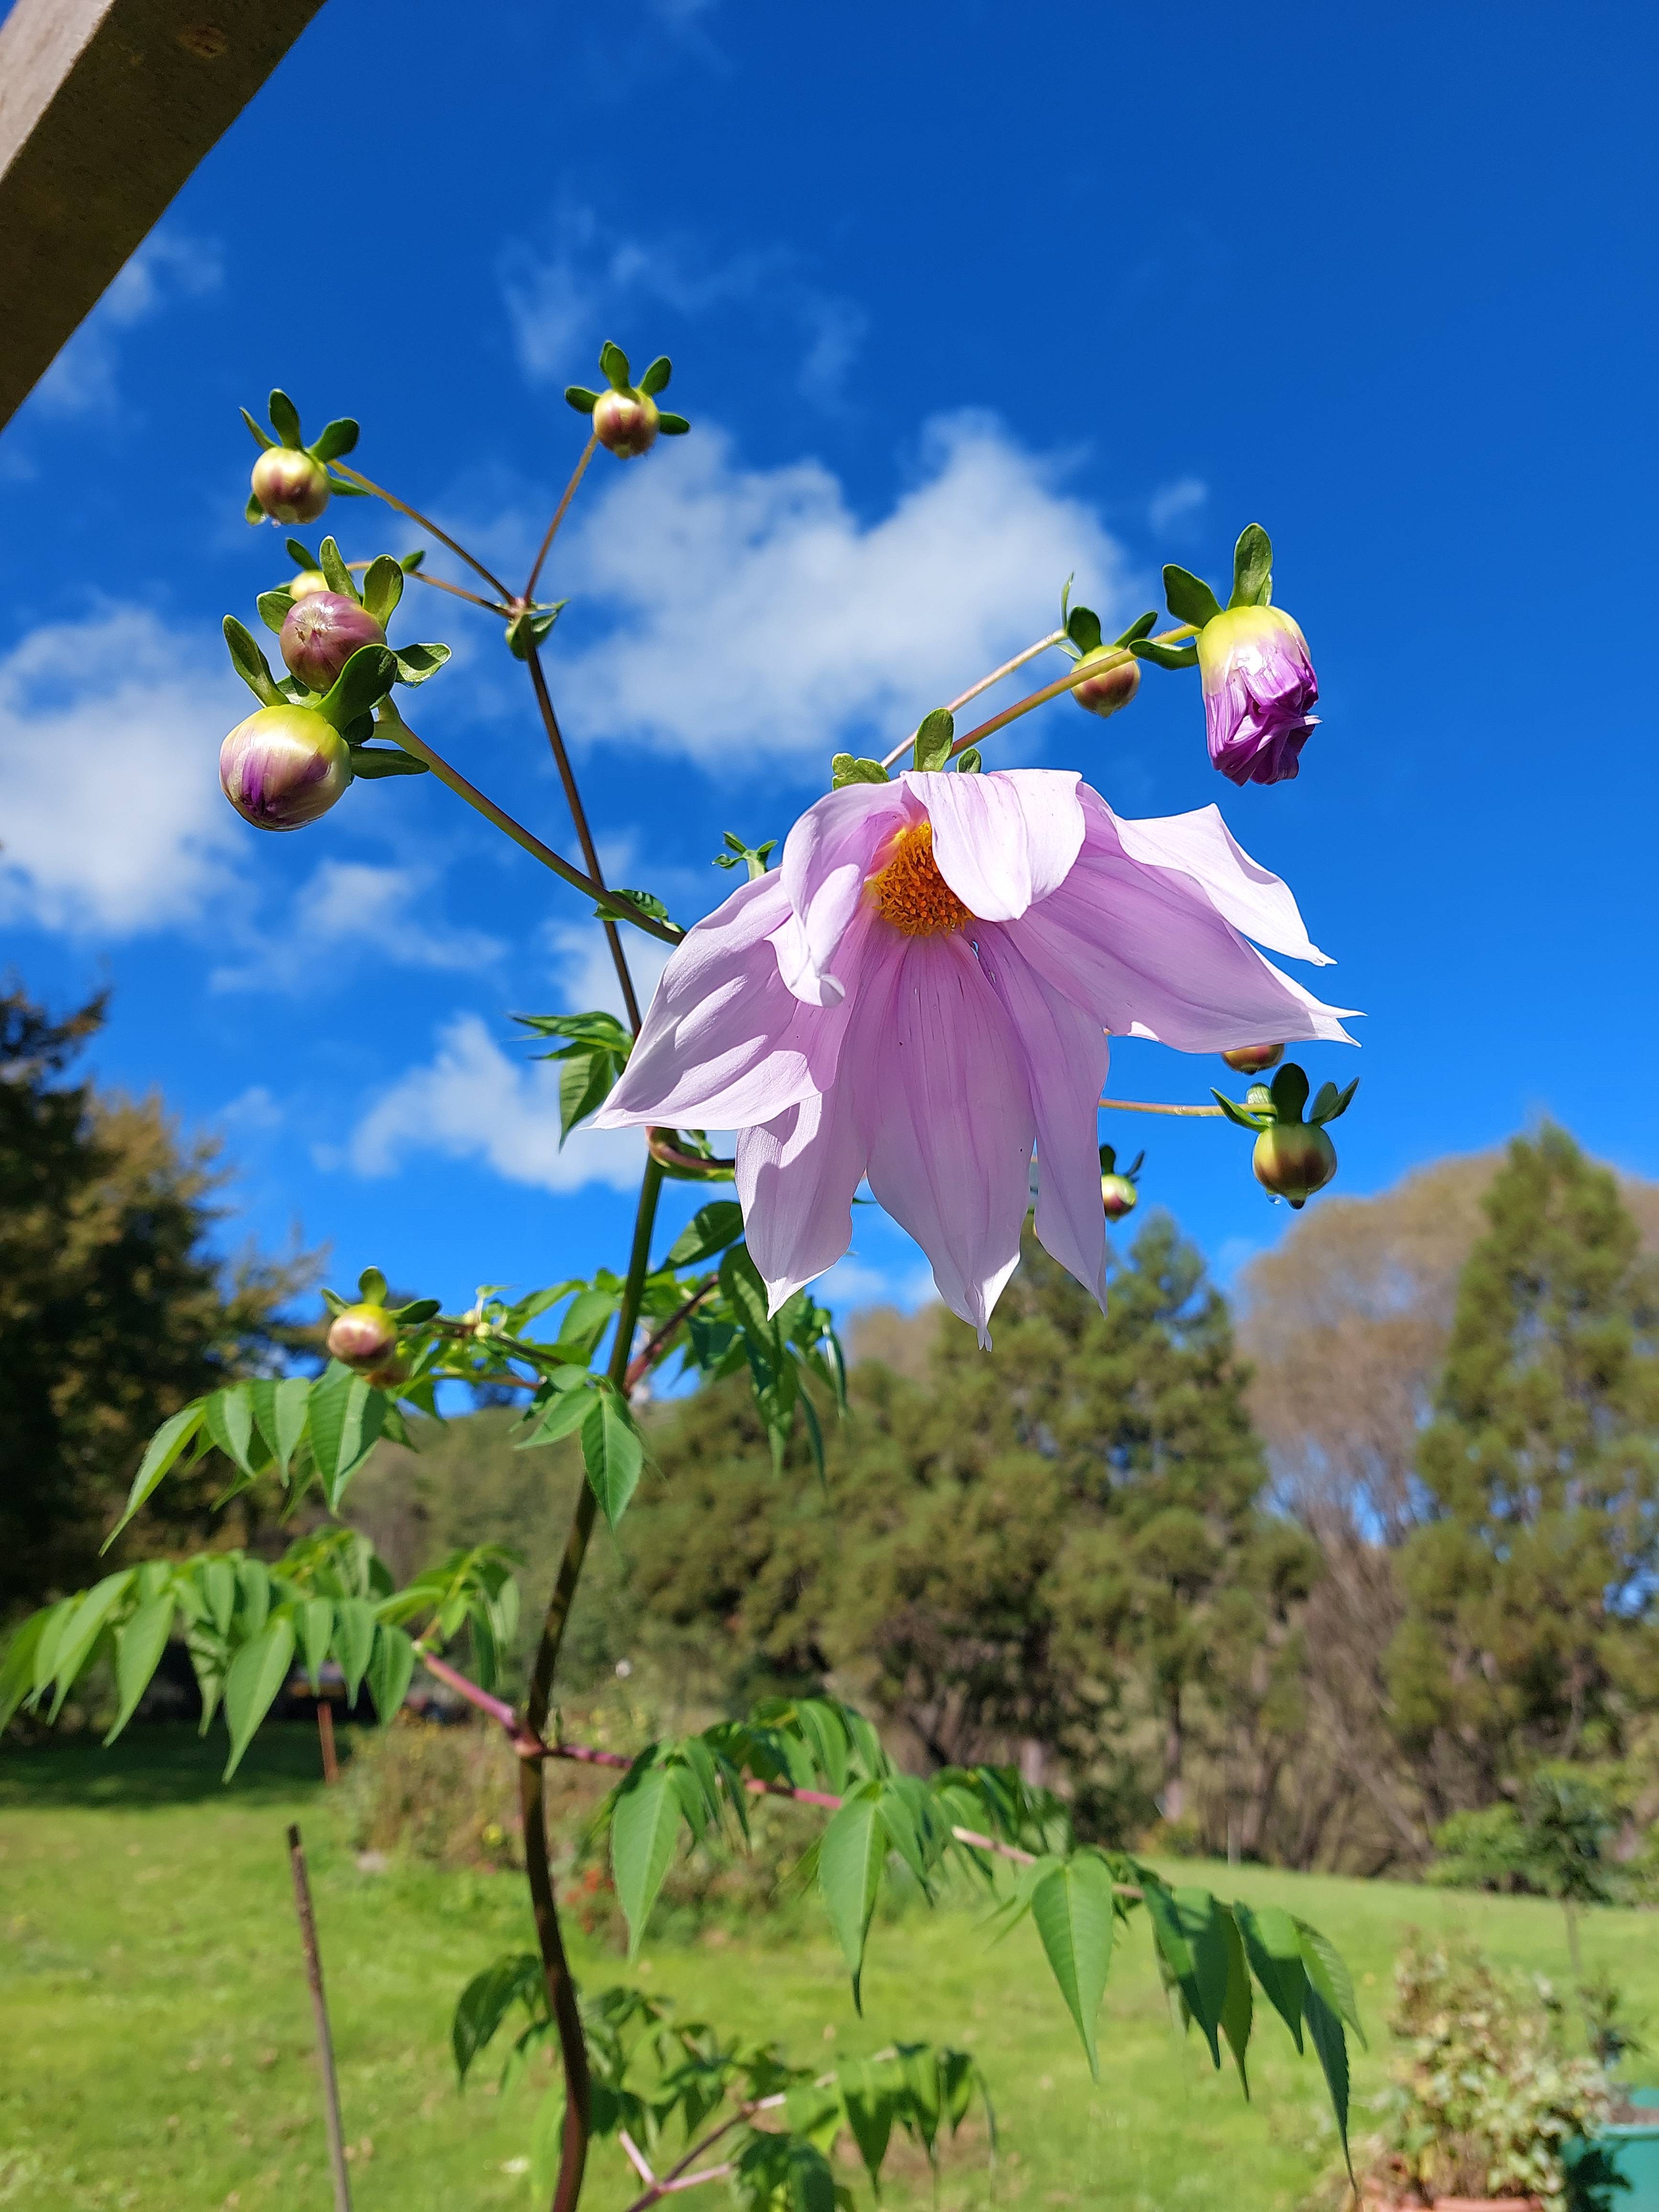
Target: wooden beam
106,108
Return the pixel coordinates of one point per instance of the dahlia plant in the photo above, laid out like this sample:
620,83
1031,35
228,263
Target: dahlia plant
918,997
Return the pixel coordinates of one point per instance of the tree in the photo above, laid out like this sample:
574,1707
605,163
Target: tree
113,1308
1529,1629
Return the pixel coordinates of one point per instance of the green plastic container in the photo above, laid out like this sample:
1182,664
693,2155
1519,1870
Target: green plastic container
1633,2147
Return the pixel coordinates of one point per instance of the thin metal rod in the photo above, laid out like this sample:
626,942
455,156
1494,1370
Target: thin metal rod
1145,1106
296,1858
1054,637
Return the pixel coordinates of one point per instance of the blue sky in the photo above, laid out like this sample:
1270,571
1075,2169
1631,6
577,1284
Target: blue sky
960,298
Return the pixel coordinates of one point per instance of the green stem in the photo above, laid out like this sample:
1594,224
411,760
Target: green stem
380,491
576,475
1080,674
391,721
1146,1106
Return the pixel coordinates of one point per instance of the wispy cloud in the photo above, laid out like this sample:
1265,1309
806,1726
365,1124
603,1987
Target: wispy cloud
350,912
1174,502
111,817
563,296
167,267
758,616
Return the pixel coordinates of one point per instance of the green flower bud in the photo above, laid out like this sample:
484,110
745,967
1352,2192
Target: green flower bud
1292,1160
363,1336
1118,1195
289,485
625,422
1254,1058
1112,687
305,581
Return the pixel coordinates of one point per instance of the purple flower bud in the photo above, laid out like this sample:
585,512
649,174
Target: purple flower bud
363,1337
283,767
1254,1058
289,485
1293,1160
1258,686
321,632
1118,1195
1112,687
625,422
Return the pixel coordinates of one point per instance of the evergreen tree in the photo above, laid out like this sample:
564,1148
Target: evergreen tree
1530,1625
113,1311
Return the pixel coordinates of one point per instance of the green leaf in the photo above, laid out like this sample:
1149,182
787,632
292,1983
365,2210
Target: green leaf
374,761
672,426
139,1644
1237,2006
391,1669
564,1412
219,1588
844,769
360,686
1253,568
869,2099
254,1591
383,586
1274,1950
344,1418
586,1079
1164,656
1142,626
316,1633
161,1453
262,437
613,1454
1328,1976
340,578
1204,1985
645,1819
279,1410
710,1230
485,2002
934,738
745,1293
337,437
1331,1102
1071,1905
613,367
273,609
1188,597
579,396
80,1632
251,511
416,662
655,379
285,421
251,664
1082,628
257,1674
227,1417
970,761
17,1673
1244,1116
1325,2029
302,556
354,1641
851,1852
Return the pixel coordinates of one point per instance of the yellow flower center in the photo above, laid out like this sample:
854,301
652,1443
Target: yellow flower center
910,892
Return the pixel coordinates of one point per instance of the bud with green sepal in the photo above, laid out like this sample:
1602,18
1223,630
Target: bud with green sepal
1118,1193
1119,679
531,625
292,481
1292,1158
626,417
363,1336
1254,1058
286,765
1258,683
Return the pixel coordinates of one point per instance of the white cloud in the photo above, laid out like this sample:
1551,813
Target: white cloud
761,619
851,1283
472,1101
111,816
561,300
254,1109
349,911
1174,502
588,978
167,266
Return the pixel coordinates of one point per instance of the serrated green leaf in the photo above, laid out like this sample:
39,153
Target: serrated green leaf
256,1674
316,1633
1328,1973
219,1589
227,1417
845,769
1253,568
354,1641
17,1672
710,1230
337,437
1186,1924
250,663
285,421
1072,1906
744,1292
563,1415
1325,2031
934,739
254,1593
391,1669
613,1454
344,1417
645,1820
869,2099
587,1075
1188,597
161,1453
485,2002
79,1631
279,1413
1274,1950
1236,2008
851,1852
139,1642
360,686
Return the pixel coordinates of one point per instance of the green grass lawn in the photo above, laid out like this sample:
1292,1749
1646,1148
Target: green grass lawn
157,2039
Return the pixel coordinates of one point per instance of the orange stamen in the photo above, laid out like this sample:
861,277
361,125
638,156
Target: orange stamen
910,893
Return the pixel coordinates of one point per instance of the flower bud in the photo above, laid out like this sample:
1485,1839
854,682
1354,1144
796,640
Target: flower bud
363,1337
1258,686
289,485
321,632
283,767
625,422
308,580
1118,1195
1292,1160
1254,1058
1112,687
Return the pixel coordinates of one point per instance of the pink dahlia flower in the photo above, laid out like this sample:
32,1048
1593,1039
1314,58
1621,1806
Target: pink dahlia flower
922,992
1259,683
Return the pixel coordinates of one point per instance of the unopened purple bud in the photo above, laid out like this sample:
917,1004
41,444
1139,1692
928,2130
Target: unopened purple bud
1292,1160
321,632
283,767
625,422
1112,687
1118,1195
289,485
1259,684
1254,1058
362,1336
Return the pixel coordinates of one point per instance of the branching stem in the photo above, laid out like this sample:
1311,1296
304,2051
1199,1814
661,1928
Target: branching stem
576,475
1054,637
1069,682
1146,1106
380,491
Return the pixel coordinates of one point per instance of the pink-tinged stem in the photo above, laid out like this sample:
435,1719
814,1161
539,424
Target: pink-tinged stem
1080,674
576,475
691,2180
1145,1106
380,491
1054,637
636,2158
